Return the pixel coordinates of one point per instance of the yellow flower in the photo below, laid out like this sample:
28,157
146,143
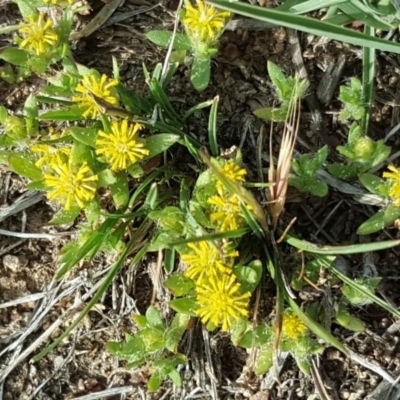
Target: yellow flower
121,147
71,185
49,155
220,301
233,172
226,212
206,260
39,36
292,326
394,189
101,87
204,22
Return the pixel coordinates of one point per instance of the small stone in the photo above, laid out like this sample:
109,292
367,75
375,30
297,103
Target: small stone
11,262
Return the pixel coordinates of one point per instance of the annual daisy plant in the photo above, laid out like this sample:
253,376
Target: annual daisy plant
203,25
103,155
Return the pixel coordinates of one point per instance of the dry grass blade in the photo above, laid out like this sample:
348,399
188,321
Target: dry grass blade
278,176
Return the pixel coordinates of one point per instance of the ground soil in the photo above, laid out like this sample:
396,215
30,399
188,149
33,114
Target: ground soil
81,365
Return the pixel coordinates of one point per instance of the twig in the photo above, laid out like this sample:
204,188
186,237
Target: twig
23,202
106,393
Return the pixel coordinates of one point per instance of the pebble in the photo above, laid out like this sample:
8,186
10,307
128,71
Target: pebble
11,262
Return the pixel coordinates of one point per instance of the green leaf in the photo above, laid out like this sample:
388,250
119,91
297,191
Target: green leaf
372,224
86,136
153,318
9,28
278,79
359,293
343,171
63,216
262,335
25,167
249,276
163,39
155,382
186,305
157,144
120,190
26,8
175,331
80,153
106,177
179,284
14,56
264,113
372,183
348,321
175,377
308,25
264,359
61,115
200,73
31,107
140,320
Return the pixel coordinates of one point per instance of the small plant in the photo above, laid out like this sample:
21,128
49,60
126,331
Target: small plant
40,42
388,189
155,346
351,98
288,89
305,169
362,154
204,25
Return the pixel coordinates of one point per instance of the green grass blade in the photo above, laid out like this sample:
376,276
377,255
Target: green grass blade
368,77
306,24
107,281
212,127
312,5
211,236
93,242
359,12
195,108
336,250
377,300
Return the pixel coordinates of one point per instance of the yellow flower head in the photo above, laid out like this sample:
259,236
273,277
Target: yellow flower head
121,147
204,22
71,185
233,172
394,189
101,87
292,326
220,300
39,36
226,212
50,155
206,260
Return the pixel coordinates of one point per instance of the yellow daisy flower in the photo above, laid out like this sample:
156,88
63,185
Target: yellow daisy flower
121,147
226,212
394,189
233,172
49,155
101,87
71,185
292,326
220,301
206,260
39,37
204,22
